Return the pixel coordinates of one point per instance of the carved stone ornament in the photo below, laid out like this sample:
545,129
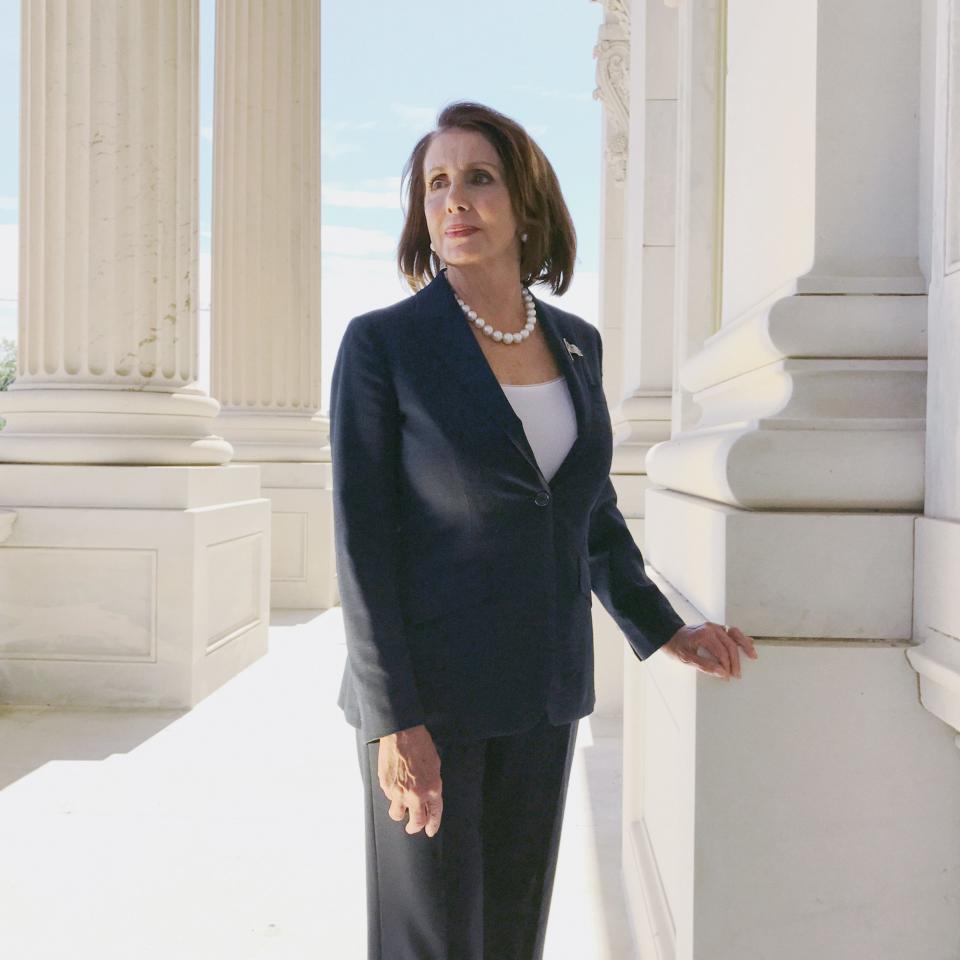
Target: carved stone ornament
621,10
612,53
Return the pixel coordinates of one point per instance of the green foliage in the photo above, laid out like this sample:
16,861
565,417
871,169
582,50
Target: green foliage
8,362
8,367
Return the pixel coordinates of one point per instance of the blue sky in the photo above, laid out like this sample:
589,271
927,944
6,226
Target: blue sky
386,70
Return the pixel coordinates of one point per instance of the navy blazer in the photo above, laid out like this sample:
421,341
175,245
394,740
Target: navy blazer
465,577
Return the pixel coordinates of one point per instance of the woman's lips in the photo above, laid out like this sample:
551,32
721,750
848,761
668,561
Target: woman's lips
460,231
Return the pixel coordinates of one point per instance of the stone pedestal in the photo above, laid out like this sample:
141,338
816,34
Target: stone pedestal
265,338
303,568
130,586
807,810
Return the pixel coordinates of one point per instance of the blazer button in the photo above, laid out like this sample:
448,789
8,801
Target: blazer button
542,498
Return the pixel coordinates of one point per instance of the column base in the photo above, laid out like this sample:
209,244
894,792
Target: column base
937,618
130,586
303,566
292,436
786,574
806,810
119,424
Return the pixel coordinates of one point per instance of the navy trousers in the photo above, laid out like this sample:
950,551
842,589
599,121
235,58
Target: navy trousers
480,888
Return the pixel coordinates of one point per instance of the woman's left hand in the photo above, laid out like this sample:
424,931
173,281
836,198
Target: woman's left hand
711,648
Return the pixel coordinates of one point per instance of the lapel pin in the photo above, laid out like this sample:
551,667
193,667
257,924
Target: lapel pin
572,348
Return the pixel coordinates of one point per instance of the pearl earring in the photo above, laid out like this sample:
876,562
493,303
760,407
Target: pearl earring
433,248
523,238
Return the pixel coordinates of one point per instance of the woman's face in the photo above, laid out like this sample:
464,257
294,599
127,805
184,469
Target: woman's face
466,201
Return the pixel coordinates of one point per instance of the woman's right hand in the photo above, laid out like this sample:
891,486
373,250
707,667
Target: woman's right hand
408,767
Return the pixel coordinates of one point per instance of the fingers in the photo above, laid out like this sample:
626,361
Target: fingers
711,640
425,813
708,663
731,649
744,641
722,645
436,813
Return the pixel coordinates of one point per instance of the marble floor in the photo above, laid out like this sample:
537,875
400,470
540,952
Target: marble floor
235,830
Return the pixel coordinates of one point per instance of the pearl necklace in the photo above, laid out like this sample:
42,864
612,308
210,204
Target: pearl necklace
499,335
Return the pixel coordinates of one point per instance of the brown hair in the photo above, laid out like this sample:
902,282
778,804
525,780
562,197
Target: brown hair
538,205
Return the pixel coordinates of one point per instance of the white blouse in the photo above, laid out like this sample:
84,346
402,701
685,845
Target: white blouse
549,419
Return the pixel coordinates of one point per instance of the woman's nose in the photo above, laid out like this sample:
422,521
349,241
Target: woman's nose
455,199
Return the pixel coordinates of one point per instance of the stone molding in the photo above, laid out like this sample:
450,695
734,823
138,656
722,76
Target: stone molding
856,326
264,435
643,422
936,617
812,402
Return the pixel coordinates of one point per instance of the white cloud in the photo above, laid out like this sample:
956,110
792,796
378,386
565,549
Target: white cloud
336,195
9,203
380,183
206,133
348,287
204,265
332,141
416,118
9,259
356,242
341,125
336,148
553,93
582,298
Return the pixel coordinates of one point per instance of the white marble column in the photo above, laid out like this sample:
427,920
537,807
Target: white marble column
134,561
612,55
108,241
936,614
786,502
636,83
266,284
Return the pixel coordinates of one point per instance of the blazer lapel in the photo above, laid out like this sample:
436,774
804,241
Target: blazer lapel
446,334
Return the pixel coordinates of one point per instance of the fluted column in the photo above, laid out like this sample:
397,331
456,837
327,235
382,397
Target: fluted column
636,78
108,239
266,285
266,229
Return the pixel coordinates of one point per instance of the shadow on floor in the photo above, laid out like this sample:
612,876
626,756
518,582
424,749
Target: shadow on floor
31,737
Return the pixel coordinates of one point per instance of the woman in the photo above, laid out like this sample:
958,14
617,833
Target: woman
474,516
